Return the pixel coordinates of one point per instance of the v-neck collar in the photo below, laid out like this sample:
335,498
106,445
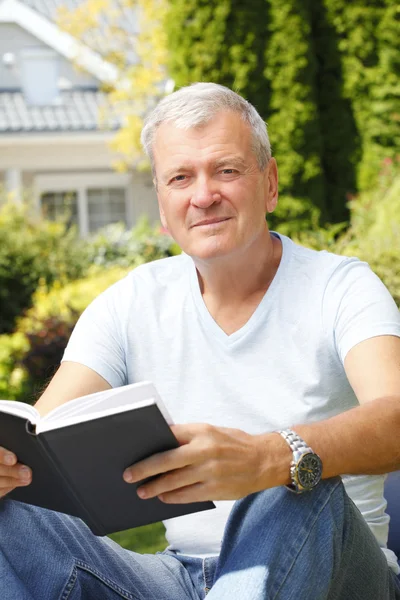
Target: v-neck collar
209,322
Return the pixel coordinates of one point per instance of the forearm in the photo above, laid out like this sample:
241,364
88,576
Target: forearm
363,440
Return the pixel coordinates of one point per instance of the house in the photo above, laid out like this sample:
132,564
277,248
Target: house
51,143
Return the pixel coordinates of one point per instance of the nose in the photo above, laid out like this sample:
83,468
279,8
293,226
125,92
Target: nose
205,194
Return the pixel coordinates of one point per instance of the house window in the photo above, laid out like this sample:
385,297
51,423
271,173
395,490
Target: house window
105,206
95,200
60,206
39,74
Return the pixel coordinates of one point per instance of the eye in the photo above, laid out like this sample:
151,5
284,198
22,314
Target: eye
229,171
178,178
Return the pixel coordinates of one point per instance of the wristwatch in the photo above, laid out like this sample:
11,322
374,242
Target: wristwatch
306,466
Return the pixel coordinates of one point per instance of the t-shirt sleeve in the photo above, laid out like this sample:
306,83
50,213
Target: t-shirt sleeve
97,341
358,306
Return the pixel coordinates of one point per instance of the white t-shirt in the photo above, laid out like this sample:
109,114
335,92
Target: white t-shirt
284,366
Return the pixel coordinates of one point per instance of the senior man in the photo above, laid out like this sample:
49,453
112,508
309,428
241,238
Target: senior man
278,363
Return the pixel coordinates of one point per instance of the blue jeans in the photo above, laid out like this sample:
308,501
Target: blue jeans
277,546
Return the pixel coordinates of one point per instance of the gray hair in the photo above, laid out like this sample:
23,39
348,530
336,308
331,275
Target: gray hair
196,105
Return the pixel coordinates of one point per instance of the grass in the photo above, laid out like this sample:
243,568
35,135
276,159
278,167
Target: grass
147,539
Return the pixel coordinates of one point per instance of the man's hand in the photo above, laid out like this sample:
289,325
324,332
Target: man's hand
212,463
12,473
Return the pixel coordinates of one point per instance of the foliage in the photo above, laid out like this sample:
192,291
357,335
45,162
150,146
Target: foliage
368,37
148,539
219,41
293,114
13,380
140,59
32,250
44,354
340,147
31,355
374,232
114,245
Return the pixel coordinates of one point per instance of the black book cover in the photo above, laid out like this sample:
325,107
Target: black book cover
77,469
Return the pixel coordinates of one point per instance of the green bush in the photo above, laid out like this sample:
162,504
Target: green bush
36,250
32,250
29,357
116,245
13,377
374,232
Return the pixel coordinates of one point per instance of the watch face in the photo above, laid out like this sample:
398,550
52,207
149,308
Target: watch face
309,471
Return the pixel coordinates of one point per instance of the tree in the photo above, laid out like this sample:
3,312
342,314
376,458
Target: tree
130,35
368,37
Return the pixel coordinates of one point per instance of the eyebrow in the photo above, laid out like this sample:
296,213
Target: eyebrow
184,168
235,161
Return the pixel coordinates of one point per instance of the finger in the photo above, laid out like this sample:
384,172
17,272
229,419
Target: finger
16,475
185,433
157,464
16,471
193,493
7,457
5,491
169,482
11,482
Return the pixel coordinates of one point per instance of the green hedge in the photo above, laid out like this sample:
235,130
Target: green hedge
325,74
368,36
31,251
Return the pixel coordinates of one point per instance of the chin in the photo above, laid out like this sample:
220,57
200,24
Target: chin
209,250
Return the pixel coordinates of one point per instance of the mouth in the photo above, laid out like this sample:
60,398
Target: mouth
208,222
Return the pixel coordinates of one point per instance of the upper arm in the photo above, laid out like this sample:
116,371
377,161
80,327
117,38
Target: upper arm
373,368
72,380
98,339
365,323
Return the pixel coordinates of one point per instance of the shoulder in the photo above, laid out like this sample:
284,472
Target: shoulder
322,262
333,277
319,269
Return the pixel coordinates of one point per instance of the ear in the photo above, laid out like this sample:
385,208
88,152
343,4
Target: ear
271,186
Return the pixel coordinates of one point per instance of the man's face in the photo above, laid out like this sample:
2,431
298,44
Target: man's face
212,195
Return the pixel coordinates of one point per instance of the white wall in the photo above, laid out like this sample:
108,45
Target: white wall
55,152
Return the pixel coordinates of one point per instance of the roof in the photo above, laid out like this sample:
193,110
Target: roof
49,8
125,17
33,21
78,110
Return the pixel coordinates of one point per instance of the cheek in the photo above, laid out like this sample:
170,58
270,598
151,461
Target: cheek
174,211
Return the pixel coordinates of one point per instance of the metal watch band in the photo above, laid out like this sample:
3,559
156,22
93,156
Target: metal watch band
300,449
296,443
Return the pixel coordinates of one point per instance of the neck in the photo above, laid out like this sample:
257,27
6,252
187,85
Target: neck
229,280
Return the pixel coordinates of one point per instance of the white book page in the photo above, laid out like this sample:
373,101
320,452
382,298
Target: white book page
20,409
103,403
91,416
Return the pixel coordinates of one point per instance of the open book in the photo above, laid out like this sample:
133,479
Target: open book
79,450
